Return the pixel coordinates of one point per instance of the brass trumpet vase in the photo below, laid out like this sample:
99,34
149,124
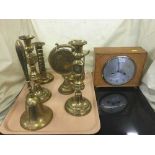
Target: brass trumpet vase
36,115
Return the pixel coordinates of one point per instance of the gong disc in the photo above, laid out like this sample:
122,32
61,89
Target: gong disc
61,60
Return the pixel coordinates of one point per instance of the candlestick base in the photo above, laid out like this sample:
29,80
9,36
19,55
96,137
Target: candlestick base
42,93
78,107
66,87
46,79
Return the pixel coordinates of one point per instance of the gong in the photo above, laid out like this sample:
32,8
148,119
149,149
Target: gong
61,60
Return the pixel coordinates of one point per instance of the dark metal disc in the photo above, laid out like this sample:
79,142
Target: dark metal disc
61,60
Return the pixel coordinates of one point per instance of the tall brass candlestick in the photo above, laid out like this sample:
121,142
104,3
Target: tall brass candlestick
43,93
45,77
78,105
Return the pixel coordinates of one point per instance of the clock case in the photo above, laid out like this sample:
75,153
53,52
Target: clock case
104,54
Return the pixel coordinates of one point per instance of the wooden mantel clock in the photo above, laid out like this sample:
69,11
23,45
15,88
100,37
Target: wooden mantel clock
119,66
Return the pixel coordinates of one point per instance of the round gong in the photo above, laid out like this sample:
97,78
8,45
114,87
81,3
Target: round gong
61,60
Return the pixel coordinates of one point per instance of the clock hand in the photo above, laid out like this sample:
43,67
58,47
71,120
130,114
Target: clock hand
118,66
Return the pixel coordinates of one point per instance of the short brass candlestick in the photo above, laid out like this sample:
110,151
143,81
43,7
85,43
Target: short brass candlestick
45,77
36,115
78,105
43,93
61,59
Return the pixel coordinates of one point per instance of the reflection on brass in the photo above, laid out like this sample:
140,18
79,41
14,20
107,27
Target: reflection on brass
36,115
61,59
43,93
45,77
78,105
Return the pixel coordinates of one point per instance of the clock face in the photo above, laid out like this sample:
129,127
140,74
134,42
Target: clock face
119,70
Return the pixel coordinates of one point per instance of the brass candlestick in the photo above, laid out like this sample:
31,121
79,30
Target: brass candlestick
61,59
36,115
45,77
31,57
43,93
78,105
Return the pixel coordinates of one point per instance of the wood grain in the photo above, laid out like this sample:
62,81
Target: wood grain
103,54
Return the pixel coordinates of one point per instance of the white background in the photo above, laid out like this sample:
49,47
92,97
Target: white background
94,145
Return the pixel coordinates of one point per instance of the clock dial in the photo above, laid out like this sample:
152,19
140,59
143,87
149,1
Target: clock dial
119,70
113,103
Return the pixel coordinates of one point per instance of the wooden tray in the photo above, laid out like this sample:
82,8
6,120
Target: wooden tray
62,123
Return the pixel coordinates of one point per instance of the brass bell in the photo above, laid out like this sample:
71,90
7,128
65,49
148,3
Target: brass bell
36,115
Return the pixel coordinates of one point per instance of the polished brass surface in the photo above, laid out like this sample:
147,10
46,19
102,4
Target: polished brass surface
78,105
36,115
22,59
66,87
61,59
43,93
31,57
45,77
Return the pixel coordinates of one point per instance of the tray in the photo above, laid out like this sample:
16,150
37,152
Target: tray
62,122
